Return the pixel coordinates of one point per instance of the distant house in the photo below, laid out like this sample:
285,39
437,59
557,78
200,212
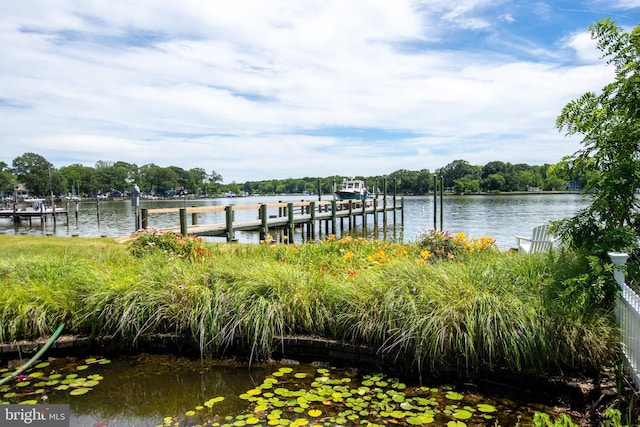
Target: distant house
20,191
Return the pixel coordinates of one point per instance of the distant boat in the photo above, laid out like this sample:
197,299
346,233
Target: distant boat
353,189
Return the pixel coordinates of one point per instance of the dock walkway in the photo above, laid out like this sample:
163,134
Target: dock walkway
281,216
30,215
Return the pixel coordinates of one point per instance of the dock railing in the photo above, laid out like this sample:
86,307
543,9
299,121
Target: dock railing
282,215
628,315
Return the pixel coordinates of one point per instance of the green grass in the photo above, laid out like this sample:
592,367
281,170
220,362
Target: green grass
480,310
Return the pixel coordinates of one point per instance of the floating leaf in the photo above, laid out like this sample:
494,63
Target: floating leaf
42,365
23,383
484,407
314,412
190,413
462,414
419,420
79,391
29,402
82,367
300,375
453,395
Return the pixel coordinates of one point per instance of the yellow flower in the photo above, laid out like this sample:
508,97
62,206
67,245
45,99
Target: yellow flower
425,254
348,255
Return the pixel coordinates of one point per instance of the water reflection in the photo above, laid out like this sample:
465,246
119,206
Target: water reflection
500,216
142,390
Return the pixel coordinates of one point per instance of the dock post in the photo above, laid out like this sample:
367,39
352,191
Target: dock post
435,202
194,218
402,210
351,219
265,222
375,216
312,208
333,217
144,213
441,204
136,204
292,223
384,201
395,194
183,222
228,213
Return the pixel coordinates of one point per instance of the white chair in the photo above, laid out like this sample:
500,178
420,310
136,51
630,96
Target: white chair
540,241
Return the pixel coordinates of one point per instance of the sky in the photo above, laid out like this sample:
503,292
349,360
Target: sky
262,89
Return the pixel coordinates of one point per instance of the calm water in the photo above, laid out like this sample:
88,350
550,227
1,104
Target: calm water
501,217
140,391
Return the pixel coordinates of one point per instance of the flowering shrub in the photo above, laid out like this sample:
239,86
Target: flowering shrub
153,240
437,245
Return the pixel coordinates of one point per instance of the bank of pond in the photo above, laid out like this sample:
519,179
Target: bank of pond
442,307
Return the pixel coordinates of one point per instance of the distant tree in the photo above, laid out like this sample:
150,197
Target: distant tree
197,180
33,171
7,181
458,169
610,125
214,179
466,185
493,183
80,177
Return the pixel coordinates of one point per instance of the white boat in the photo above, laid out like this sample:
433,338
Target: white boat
353,189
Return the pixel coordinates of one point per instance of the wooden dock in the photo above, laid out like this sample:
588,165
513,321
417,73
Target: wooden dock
280,216
30,215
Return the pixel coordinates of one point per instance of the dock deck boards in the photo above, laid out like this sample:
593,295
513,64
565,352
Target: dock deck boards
304,213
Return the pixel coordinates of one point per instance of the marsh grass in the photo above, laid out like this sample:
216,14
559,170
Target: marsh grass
478,310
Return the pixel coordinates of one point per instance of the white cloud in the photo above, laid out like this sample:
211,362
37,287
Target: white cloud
231,86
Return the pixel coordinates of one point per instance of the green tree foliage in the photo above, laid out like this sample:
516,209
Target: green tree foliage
33,170
458,176
609,123
80,177
459,169
7,180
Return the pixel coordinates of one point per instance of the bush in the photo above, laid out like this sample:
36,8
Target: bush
442,245
150,241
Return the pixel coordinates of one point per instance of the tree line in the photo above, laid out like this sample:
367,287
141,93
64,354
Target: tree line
41,178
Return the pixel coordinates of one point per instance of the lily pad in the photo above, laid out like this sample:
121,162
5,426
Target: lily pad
462,414
79,391
484,407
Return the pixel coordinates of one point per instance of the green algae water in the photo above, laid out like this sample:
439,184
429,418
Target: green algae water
153,390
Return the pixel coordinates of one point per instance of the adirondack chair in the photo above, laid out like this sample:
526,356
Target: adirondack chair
540,241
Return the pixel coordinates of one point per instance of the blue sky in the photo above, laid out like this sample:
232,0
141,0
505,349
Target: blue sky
256,89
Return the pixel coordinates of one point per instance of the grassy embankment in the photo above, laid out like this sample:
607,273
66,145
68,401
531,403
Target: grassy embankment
446,302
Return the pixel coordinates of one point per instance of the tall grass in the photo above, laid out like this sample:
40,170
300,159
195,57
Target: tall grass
477,310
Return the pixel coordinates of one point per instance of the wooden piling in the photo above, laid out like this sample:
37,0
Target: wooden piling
183,222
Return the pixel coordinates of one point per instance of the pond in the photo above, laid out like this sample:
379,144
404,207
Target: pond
153,390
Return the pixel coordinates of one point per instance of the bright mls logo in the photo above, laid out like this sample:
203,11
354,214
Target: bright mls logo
34,415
